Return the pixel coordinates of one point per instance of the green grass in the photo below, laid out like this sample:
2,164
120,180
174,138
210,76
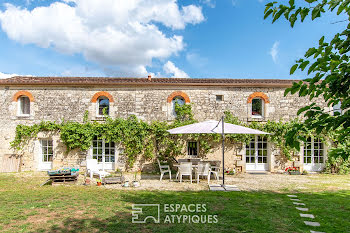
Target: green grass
26,207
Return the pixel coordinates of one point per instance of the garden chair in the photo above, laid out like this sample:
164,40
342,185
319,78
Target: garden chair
164,169
185,169
203,170
92,169
215,170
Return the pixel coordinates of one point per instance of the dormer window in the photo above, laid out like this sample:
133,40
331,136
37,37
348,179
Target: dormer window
257,108
103,106
23,106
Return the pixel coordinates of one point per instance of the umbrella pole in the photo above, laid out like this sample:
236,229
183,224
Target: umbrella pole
223,152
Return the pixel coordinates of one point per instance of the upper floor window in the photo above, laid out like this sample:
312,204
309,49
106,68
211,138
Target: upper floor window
256,104
102,106
177,100
23,106
23,99
257,107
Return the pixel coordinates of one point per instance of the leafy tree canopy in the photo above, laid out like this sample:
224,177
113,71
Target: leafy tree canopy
326,65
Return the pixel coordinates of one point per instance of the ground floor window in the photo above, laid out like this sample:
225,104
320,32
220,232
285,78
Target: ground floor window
103,150
313,151
192,148
46,150
256,150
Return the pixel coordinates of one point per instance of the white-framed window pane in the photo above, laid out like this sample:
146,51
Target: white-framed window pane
257,107
47,150
24,105
103,104
179,100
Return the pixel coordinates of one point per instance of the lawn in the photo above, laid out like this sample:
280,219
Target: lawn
26,207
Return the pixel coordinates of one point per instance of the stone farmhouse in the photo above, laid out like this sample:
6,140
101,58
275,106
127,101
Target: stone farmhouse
30,100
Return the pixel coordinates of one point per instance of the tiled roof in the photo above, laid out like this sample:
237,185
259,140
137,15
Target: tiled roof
109,81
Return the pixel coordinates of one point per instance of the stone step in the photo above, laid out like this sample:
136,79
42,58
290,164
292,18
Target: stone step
298,203
313,224
316,231
294,199
302,209
291,195
307,216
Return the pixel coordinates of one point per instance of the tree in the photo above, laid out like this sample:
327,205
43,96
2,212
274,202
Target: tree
327,65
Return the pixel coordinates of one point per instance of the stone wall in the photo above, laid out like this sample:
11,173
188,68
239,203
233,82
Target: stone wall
70,103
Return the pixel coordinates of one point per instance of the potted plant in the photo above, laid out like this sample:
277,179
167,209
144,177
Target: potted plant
136,183
292,171
99,182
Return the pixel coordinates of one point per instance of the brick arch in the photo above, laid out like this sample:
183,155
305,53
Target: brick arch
258,95
23,93
102,93
178,93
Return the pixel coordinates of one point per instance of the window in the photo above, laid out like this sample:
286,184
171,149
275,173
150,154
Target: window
46,150
177,100
24,106
257,107
256,150
192,148
219,98
313,151
103,105
103,150
337,108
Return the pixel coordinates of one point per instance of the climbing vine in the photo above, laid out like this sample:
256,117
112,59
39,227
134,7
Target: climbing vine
139,138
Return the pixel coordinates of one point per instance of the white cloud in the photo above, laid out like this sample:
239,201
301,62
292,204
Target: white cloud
4,75
210,3
274,51
170,68
119,35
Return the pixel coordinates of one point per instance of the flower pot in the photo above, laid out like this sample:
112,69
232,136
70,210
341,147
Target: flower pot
136,184
294,172
99,183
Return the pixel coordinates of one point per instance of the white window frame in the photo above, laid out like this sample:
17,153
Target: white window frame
19,108
98,106
262,108
103,151
313,151
47,146
188,154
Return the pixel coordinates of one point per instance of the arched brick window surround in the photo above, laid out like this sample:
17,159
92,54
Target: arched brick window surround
178,93
258,95
102,93
23,93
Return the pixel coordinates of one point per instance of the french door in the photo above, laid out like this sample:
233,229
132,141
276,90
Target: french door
46,154
314,155
256,154
105,154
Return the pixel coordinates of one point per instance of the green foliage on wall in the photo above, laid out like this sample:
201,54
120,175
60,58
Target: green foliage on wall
139,138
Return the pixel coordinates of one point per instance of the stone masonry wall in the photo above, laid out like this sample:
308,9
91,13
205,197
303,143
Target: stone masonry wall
70,103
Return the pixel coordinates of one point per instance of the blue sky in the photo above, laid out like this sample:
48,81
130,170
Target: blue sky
219,39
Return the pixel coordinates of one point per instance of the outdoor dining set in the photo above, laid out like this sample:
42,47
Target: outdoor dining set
191,166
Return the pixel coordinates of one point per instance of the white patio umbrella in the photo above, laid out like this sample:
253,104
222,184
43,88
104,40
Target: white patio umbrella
215,127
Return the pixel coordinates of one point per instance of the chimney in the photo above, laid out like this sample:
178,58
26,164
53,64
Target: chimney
149,77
